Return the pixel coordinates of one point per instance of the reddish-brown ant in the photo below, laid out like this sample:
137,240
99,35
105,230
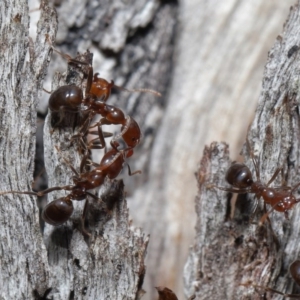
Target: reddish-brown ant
59,211
70,98
240,177
295,273
130,130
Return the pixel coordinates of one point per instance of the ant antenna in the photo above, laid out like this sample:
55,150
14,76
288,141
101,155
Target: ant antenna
155,93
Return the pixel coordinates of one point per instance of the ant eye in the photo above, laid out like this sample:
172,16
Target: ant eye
239,176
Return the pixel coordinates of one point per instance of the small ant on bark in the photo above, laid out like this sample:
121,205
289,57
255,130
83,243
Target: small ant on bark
59,211
295,273
70,98
240,177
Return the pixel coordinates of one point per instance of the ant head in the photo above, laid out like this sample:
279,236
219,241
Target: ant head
101,88
58,211
239,176
295,271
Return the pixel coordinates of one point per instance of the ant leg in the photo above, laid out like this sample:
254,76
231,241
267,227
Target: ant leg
266,215
274,175
18,192
64,55
254,210
93,196
41,193
95,144
67,162
89,80
84,213
101,135
47,91
230,189
56,188
97,199
83,162
83,129
270,290
98,140
90,73
286,214
93,164
114,144
262,287
133,173
255,162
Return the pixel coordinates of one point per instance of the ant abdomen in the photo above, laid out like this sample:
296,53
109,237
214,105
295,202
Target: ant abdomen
67,98
239,175
295,271
58,211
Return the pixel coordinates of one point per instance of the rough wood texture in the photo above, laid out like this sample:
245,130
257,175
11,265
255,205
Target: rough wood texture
229,252
108,265
220,52
24,267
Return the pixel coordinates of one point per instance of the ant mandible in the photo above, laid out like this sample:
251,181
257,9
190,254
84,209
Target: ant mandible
59,211
295,273
240,177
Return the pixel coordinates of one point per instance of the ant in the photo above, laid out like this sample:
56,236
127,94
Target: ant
295,273
60,210
240,177
70,98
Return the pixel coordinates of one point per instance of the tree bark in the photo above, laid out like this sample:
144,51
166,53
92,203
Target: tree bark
24,266
227,251
215,76
109,264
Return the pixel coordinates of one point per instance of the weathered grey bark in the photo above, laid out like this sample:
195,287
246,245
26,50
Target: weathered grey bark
228,252
108,265
221,49
216,82
24,266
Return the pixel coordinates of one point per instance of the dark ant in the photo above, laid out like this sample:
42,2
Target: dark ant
70,98
295,273
59,211
240,177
